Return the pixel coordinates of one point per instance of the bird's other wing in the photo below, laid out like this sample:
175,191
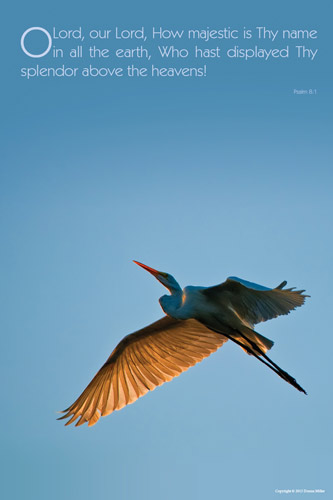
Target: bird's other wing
142,361
255,303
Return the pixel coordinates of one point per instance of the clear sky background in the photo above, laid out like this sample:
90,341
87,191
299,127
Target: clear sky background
203,178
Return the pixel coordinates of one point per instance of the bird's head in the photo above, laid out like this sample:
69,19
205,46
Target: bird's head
166,279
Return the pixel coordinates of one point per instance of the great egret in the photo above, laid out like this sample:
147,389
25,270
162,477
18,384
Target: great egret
198,321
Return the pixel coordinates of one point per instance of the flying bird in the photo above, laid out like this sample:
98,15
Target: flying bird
198,321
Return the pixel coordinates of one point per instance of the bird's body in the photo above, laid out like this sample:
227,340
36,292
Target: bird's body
198,321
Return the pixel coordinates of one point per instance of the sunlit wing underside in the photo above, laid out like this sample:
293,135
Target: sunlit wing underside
254,303
142,361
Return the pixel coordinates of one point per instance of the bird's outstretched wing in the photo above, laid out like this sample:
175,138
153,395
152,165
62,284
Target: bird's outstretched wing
142,361
255,303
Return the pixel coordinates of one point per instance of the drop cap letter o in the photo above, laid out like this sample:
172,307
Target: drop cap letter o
36,28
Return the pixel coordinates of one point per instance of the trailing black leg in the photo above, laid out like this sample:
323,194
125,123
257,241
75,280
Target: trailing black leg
255,351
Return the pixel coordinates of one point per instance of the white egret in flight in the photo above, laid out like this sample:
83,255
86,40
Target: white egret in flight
198,321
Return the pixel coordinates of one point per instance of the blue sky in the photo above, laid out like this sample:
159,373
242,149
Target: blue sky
206,178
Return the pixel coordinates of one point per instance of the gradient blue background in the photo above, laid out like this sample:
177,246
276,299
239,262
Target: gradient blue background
203,178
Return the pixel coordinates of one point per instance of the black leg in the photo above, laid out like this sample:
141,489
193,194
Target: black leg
255,349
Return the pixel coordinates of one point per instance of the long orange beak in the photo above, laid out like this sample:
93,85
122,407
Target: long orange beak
152,271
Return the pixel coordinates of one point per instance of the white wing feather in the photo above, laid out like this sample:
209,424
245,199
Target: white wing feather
255,303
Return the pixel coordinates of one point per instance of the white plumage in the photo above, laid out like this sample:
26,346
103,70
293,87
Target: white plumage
198,321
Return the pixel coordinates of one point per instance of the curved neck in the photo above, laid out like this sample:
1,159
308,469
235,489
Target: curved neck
171,303
174,288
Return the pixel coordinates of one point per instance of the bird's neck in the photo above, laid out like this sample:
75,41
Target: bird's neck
172,303
175,289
